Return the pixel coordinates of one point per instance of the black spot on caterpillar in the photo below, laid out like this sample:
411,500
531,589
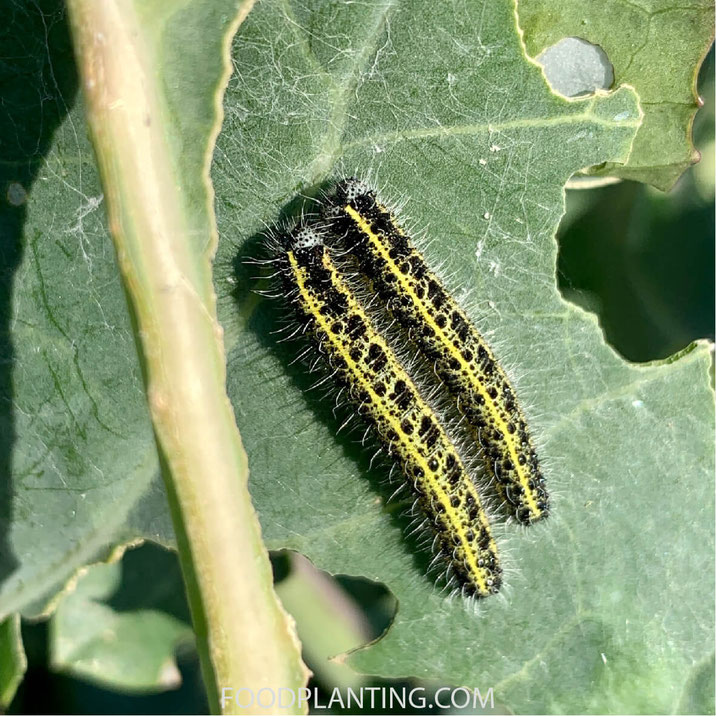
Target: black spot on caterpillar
375,383
462,358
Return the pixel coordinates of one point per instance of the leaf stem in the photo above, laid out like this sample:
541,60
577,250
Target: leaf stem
245,638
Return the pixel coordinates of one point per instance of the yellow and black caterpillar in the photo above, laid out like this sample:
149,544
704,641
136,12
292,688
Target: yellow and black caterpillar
377,385
435,322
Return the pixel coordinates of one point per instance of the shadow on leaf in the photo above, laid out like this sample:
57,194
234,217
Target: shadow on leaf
39,85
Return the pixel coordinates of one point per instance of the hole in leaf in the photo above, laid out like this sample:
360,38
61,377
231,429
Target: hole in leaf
575,67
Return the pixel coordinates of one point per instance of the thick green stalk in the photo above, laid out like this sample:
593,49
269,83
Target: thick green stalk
245,638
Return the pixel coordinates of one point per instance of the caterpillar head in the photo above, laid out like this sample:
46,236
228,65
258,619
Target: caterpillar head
305,237
348,190
307,242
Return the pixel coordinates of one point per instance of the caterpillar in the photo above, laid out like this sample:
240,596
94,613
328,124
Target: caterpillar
376,384
463,360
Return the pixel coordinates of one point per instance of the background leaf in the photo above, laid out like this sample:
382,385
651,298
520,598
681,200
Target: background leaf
121,632
482,165
642,259
13,661
656,48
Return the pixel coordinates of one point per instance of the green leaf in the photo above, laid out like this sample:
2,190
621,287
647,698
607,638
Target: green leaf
417,94
656,48
127,649
438,105
13,662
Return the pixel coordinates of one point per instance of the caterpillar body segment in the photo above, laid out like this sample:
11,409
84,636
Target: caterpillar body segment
433,319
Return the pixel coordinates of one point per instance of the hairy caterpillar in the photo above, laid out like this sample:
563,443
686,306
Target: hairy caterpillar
375,382
435,322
